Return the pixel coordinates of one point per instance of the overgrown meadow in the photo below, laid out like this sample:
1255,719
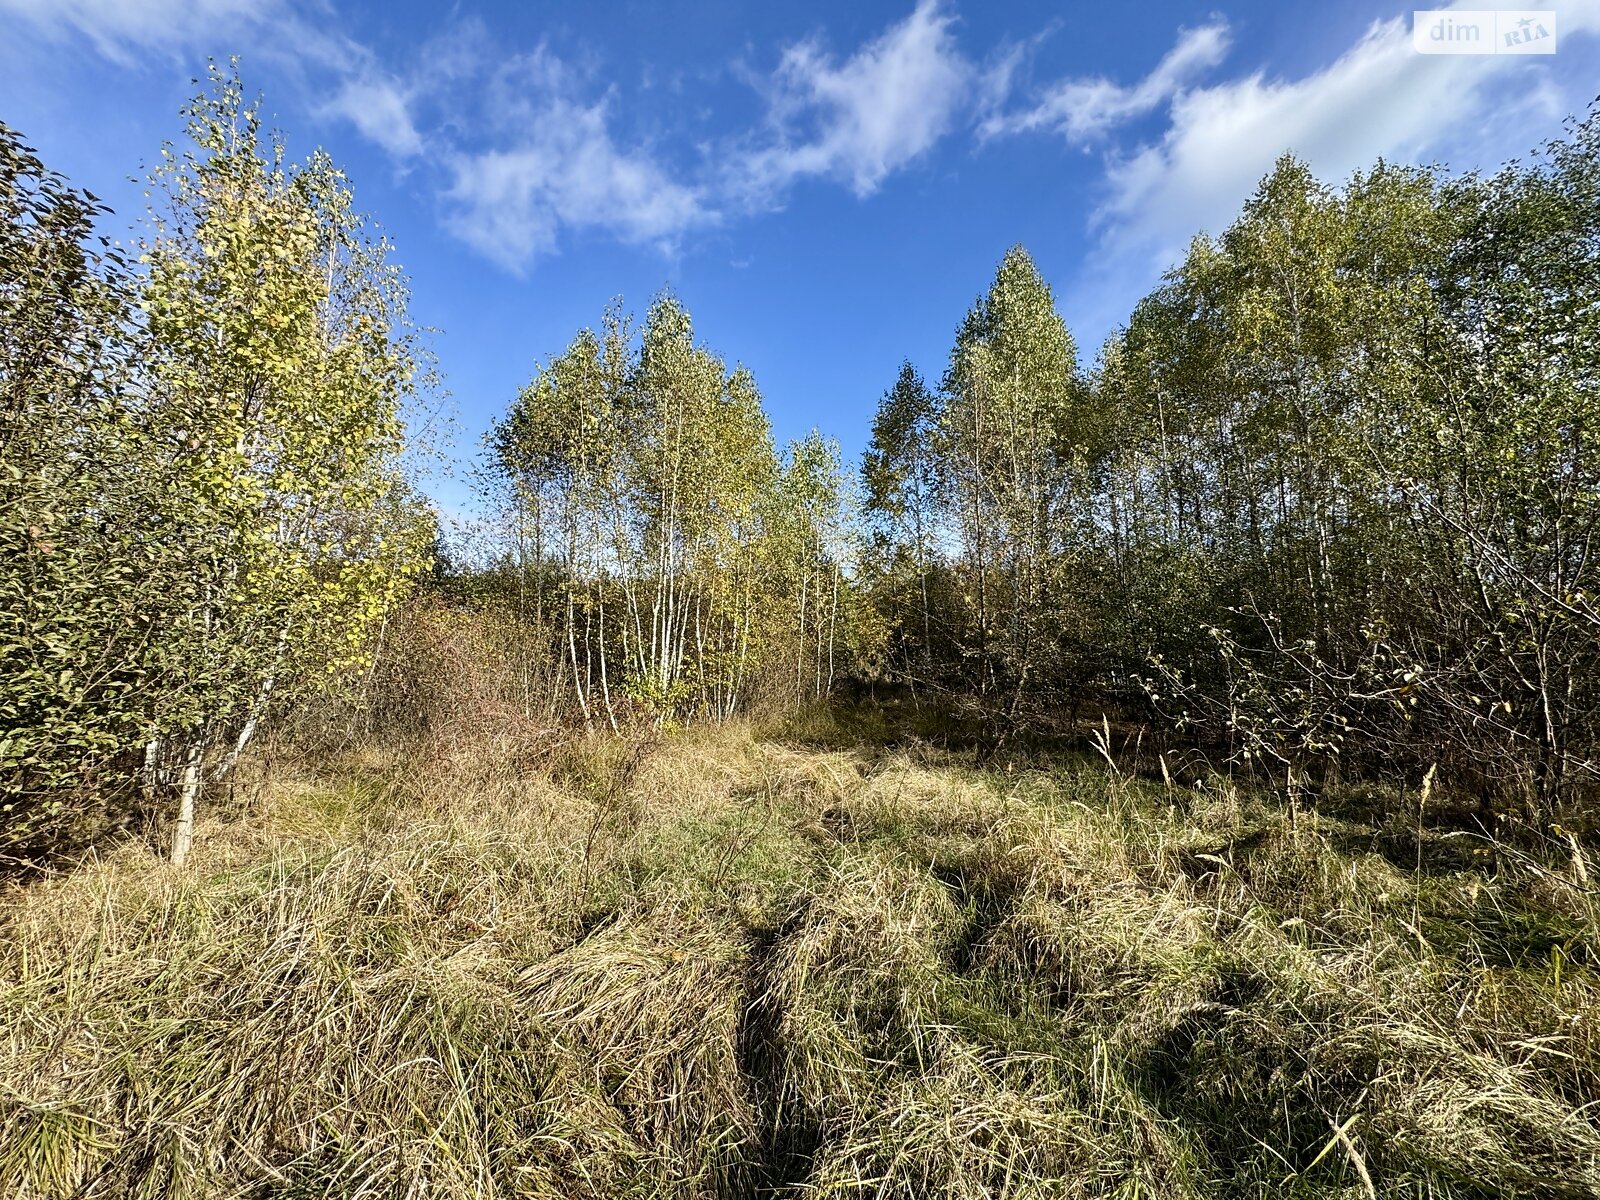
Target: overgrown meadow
1168,775
733,962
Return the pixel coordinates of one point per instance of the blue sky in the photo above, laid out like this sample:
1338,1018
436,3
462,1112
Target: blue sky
827,186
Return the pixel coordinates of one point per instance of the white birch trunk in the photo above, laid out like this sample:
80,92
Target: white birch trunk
188,794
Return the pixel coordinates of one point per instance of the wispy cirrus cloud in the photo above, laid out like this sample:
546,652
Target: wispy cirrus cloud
527,149
120,29
130,33
860,119
523,150
550,160
566,174
532,155
1082,109
1376,98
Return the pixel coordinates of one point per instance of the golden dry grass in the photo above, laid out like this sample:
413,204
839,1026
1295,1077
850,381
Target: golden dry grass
713,965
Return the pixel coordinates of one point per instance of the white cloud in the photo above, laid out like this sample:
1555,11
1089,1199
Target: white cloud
288,33
1376,99
526,148
859,120
565,172
123,30
380,110
535,157
529,148
553,161
1083,109
117,28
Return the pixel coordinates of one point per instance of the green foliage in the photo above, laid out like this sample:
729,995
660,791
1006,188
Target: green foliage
665,558
907,611
1017,440
279,364
1361,417
199,462
982,503
82,565
1327,503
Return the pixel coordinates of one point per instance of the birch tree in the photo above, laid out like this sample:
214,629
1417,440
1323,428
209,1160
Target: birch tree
279,365
640,468
1013,433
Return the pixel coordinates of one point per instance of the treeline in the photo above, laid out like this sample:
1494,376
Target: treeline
201,514
1326,507
1329,503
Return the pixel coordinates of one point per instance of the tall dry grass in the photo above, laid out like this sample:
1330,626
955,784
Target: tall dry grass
715,965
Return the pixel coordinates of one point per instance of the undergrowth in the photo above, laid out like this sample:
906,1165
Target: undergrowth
719,966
